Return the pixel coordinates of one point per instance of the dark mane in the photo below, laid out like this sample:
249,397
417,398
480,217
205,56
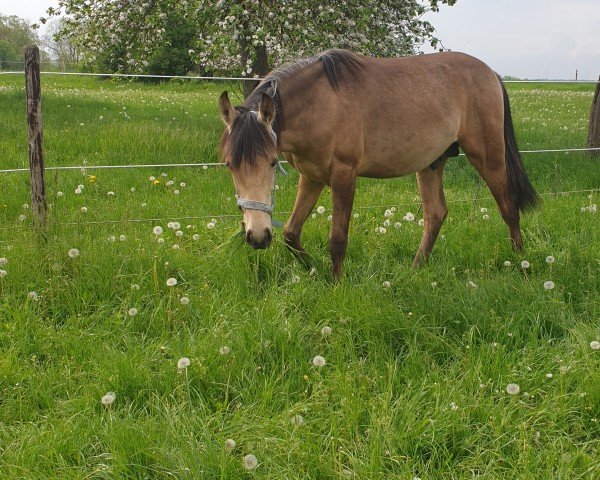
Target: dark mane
248,138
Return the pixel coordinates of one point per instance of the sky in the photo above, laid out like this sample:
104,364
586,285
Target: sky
522,38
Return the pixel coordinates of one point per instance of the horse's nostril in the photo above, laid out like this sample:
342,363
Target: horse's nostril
268,235
249,236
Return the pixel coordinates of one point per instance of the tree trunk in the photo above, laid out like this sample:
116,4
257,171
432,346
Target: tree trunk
594,132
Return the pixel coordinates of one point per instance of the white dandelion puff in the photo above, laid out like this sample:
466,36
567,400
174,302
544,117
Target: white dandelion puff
224,350
453,406
122,238
549,375
388,214
250,462
397,225
483,210
595,345
326,331
171,282
73,253
513,389
2,273
409,217
525,265
33,296
210,225
108,399
229,444
486,217
318,361
132,312
321,209
550,259
135,286
471,284
160,241
84,209
3,261
386,284
179,233
184,300
507,264
183,362
158,230
59,194
196,237
549,285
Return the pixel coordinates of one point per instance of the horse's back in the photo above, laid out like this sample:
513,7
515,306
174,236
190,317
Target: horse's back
416,107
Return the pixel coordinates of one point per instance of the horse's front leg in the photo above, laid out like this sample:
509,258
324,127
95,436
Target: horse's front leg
306,198
343,184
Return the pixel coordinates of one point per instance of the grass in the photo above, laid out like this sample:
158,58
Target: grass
415,378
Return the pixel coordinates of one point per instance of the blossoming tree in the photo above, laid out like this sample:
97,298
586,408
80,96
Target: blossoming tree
248,37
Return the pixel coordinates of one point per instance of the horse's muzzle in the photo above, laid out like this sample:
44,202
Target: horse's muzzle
259,243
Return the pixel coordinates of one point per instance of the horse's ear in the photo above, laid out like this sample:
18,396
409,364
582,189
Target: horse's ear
266,110
228,113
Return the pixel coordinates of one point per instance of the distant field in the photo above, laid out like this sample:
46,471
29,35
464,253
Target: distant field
416,374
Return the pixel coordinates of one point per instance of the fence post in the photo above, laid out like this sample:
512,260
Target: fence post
594,133
36,148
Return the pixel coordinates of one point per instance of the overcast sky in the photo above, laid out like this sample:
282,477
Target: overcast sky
524,38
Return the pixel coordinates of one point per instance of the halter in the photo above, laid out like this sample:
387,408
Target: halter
246,204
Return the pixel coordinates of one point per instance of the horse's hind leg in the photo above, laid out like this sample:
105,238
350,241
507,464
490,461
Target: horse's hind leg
306,198
434,208
491,165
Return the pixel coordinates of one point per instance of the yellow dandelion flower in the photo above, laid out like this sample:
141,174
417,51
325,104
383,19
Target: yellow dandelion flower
91,178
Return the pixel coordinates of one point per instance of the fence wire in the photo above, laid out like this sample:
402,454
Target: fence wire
223,216
246,79
219,164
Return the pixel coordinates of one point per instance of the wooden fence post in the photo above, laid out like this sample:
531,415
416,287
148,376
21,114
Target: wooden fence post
594,133
36,148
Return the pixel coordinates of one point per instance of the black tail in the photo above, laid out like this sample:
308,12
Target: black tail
518,183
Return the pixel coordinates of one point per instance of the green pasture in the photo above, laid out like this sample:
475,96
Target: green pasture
417,362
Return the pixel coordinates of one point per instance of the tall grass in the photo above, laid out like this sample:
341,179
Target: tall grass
416,372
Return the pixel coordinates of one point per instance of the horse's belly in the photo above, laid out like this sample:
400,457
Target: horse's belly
397,164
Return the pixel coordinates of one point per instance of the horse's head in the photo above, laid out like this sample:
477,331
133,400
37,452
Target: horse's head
249,149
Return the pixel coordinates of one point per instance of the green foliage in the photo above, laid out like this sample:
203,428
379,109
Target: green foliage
415,378
15,35
231,36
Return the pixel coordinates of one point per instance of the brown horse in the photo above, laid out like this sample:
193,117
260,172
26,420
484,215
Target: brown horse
340,115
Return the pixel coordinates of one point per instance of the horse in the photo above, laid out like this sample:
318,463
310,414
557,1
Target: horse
340,115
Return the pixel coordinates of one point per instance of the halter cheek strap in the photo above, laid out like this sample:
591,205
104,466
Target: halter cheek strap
261,206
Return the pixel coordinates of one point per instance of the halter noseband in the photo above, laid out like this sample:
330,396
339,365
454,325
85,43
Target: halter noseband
246,204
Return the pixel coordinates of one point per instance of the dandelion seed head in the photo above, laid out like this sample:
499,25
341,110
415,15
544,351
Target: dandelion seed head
229,444
326,331
196,237
486,217
224,350
483,210
595,345
388,214
132,312
3,261
160,240
453,406
84,209
210,225
550,259
250,462
179,233
158,230
171,282
108,399
513,389
387,284
397,225
135,286
59,194
409,217
318,361
507,264
73,253
33,296
110,194
321,209
2,273
122,238
183,362
471,284
295,279
549,375
184,300
548,285
525,264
